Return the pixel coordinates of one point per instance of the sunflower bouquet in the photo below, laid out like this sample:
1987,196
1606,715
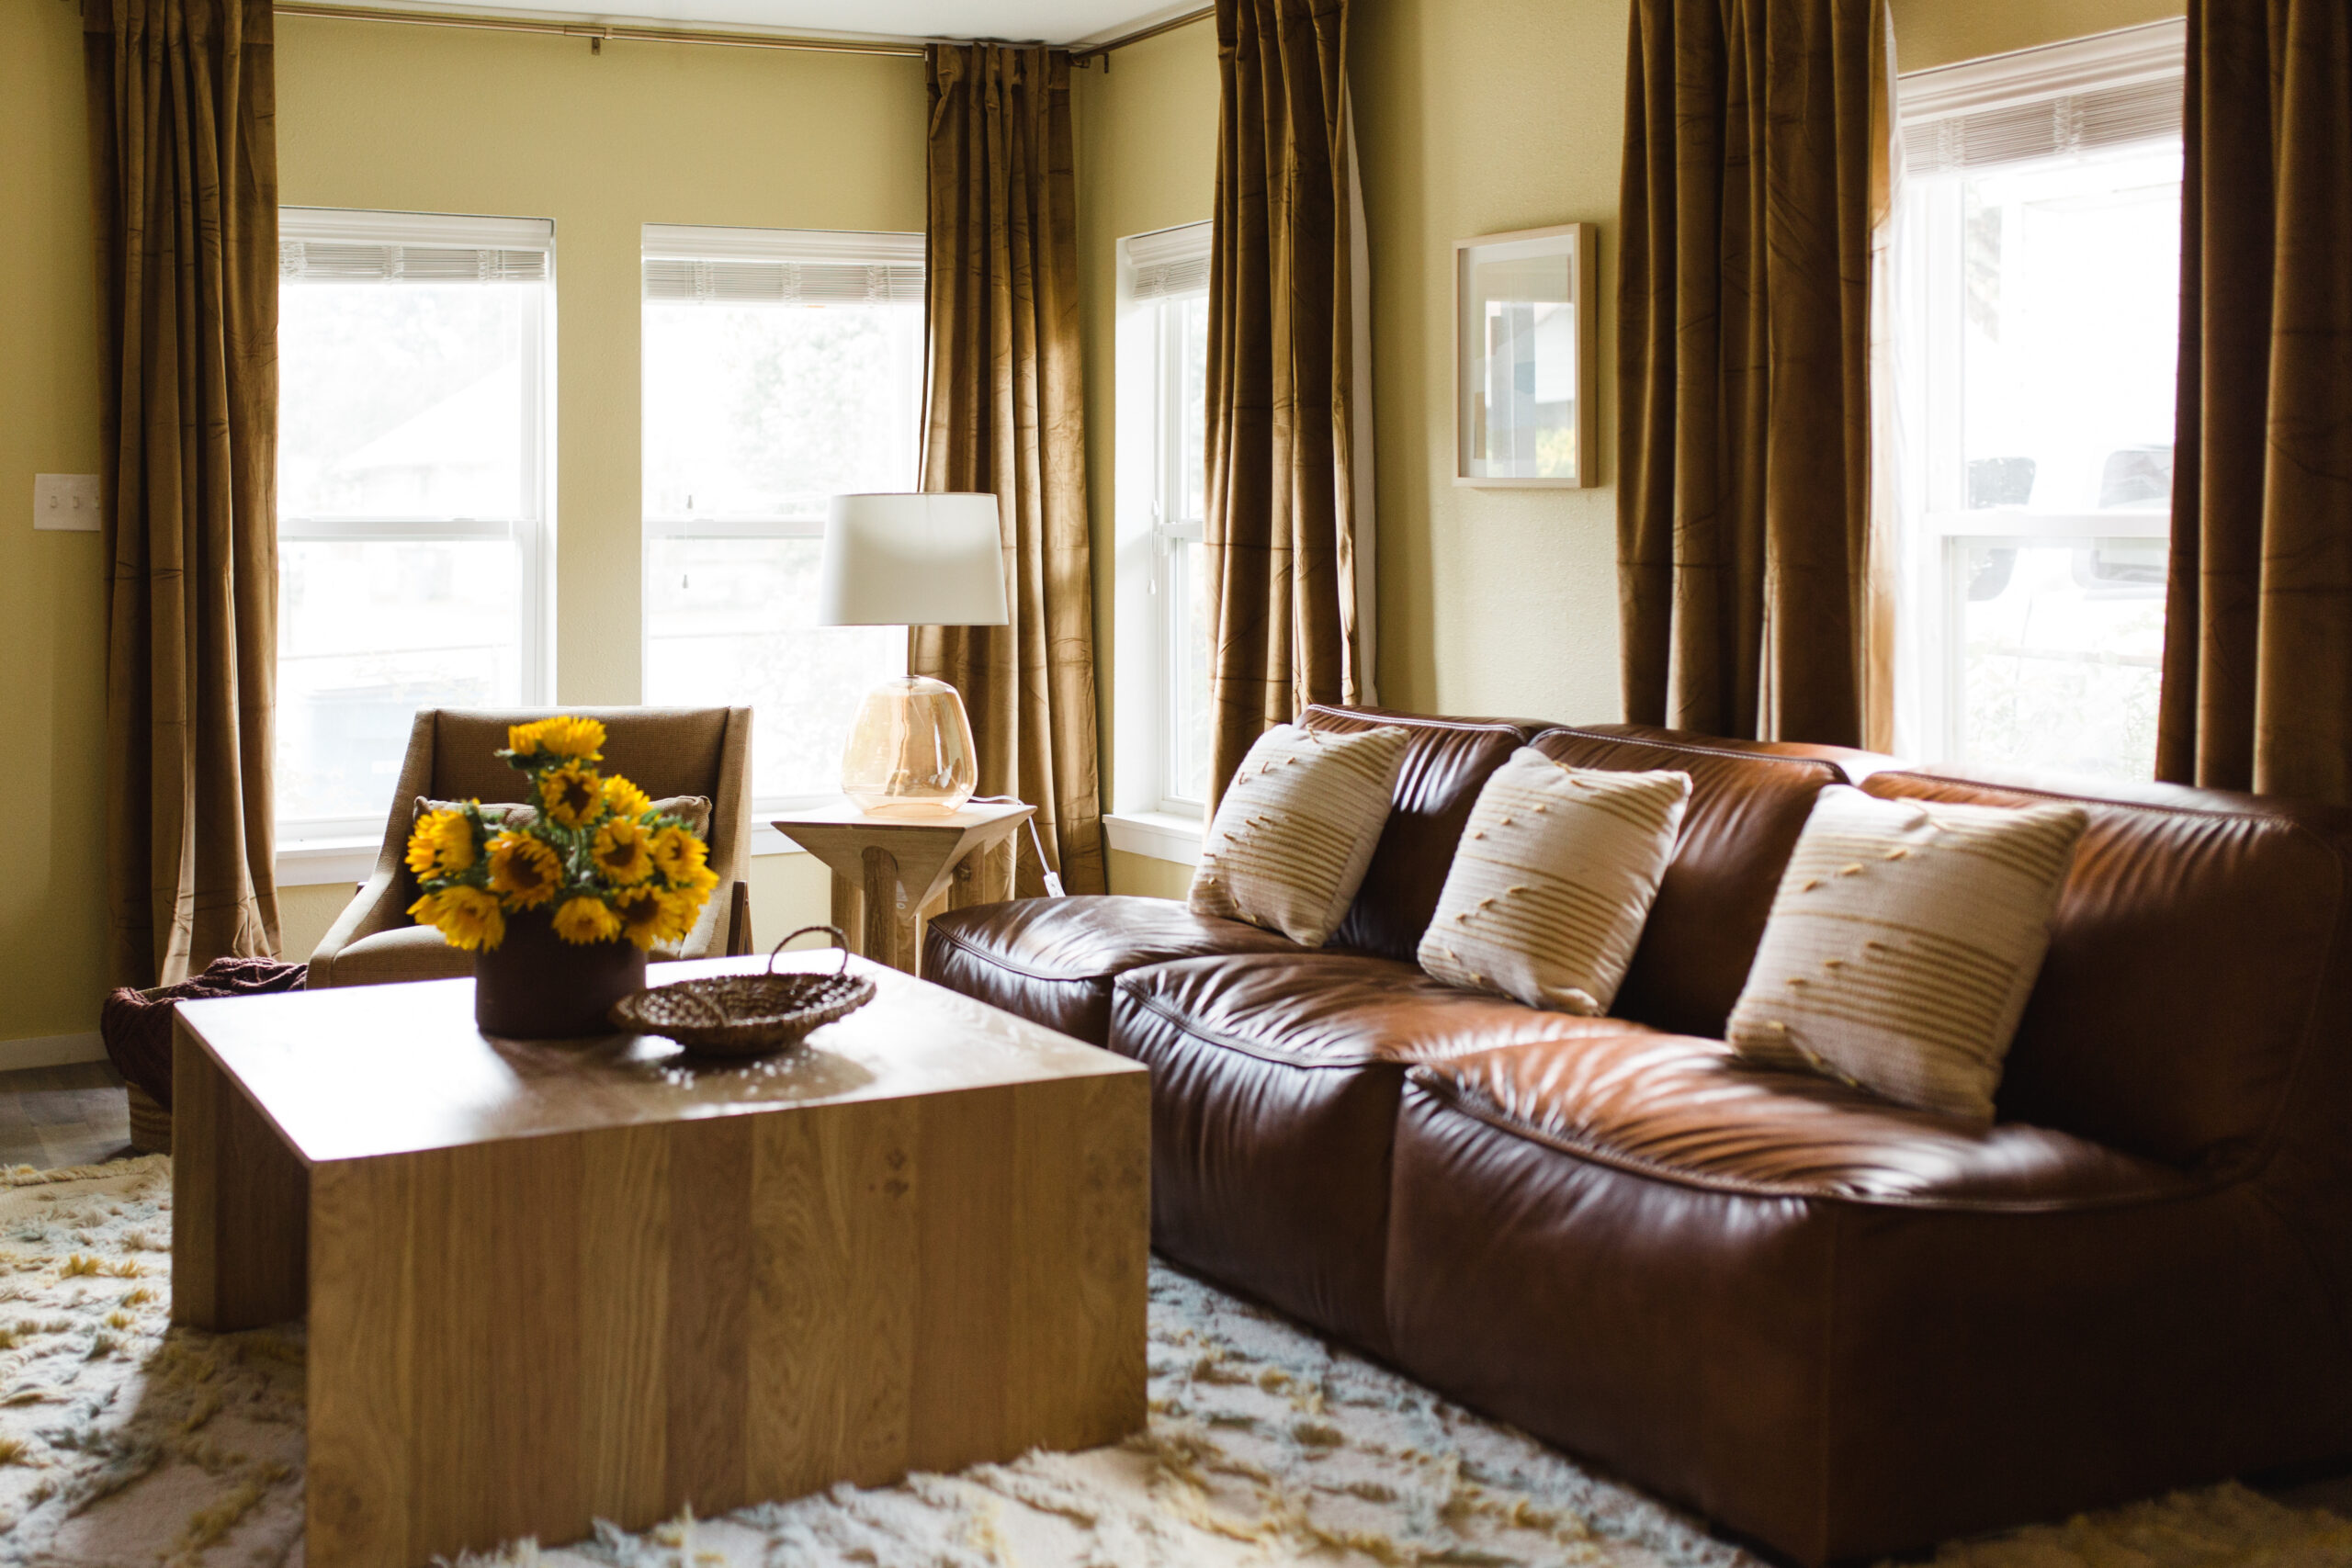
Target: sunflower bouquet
590,849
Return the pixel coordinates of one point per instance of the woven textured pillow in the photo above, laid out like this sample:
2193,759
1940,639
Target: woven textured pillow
1556,873
1902,943
1295,832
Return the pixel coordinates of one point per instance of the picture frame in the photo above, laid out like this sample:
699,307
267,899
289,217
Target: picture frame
1525,331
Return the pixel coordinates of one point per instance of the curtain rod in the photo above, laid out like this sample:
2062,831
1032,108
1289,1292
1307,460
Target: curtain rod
1101,51
598,32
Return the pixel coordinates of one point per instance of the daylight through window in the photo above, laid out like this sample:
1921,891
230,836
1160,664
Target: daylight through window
781,368
412,494
2038,265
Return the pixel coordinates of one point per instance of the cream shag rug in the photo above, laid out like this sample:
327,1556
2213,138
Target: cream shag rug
122,1444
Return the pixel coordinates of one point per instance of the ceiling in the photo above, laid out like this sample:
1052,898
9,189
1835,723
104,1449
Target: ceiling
1054,21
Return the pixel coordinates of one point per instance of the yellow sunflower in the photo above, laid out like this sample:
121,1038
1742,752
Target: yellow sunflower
625,799
572,795
582,919
620,852
579,739
442,845
679,854
525,870
649,916
468,918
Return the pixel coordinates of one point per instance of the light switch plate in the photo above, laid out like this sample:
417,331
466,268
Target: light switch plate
66,500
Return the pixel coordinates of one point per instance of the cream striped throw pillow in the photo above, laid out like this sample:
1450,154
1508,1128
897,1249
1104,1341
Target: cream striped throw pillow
1554,877
1295,832
1902,945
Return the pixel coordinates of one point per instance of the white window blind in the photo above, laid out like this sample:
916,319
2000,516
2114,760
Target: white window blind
2115,90
781,267
325,245
1170,263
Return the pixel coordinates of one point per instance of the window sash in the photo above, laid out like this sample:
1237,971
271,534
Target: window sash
522,252
1173,528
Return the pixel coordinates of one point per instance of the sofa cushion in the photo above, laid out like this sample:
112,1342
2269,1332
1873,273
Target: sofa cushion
1840,1329
2190,969
1296,828
1693,1110
1447,762
1902,945
1275,1086
1552,880
1053,960
1748,803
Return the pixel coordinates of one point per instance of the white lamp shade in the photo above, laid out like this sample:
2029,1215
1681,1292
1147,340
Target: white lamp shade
911,560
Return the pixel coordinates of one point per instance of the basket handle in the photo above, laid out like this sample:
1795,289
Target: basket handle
841,939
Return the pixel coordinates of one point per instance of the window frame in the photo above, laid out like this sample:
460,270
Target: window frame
1929,295
668,242
532,528
1158,273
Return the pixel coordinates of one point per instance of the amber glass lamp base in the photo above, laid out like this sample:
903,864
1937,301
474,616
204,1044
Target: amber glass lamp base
910,753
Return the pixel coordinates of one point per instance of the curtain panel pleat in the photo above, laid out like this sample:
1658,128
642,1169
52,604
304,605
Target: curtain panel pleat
1742,341
1281,524
1005,414
2258,671
183,135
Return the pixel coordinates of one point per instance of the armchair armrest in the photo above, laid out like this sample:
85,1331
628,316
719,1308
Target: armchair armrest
376,908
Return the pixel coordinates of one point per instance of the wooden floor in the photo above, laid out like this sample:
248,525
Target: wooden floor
57,1116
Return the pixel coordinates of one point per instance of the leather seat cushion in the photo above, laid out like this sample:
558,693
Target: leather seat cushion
1692,1110
405,953
1053,961
1276,1082
1837,1329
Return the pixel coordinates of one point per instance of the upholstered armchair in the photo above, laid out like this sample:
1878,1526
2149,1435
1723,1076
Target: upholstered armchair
666,751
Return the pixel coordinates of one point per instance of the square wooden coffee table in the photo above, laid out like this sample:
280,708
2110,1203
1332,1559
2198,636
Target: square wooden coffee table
552,1283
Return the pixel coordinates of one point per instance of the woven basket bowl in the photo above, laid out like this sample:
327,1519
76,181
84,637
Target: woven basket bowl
747,1015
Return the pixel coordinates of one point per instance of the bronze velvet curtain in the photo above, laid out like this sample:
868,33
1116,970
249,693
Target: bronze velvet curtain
2258,678
1743,502
185,164
1281,524
1005,414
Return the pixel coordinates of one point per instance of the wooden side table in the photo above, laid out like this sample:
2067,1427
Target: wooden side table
901,862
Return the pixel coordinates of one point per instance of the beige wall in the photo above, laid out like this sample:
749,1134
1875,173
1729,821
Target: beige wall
1475,116
1478,116
428,119
1147,160
52,679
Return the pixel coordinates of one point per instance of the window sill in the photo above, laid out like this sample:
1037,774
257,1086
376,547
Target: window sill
315,862
1158,835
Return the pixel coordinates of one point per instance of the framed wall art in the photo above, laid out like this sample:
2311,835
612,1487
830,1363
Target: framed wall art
1524,335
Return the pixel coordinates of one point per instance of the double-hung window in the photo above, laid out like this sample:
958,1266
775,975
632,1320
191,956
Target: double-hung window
412,492
1164,638
782,369
2037,308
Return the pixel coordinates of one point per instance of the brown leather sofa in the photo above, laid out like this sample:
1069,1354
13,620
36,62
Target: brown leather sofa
1837,1327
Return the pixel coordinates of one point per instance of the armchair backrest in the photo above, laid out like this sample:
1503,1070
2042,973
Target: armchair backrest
665,752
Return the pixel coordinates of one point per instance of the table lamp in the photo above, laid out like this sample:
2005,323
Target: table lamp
911,560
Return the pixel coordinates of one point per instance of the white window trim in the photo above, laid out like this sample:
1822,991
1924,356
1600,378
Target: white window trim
322,850
1147,820
2150,53
2146,53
